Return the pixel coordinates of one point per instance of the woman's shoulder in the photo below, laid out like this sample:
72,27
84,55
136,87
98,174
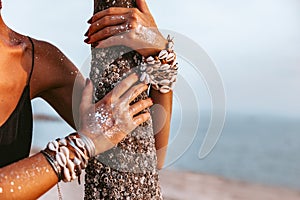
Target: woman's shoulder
50,65
47,51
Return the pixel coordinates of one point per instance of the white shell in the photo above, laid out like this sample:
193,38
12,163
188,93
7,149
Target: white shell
175,67
79,143
153,82
63,141
159,77
65,151
165,89
143,76
156,66
71,168
143,67
53,146
173,79
157,62
163,54
170,57
76,161
147,79
149,70
61,159
164,82
67,177
155,87
164,67
150,60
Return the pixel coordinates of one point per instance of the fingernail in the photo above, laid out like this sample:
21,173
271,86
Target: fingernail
90,20
87,32
95,44
87,40
87,81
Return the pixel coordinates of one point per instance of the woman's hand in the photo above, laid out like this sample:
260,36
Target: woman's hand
107,122
132,27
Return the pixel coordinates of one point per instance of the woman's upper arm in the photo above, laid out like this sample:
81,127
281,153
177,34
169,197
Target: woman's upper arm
53,80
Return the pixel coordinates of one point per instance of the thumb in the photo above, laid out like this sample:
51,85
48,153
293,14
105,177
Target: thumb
142,6
87,95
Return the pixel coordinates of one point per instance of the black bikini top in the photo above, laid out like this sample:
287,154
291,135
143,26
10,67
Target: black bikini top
16,132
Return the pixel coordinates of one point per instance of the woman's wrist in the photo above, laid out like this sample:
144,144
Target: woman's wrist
68,156
155,49
89,144
160,70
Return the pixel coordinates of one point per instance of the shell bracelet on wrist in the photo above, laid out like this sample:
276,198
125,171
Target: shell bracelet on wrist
160,71
69,156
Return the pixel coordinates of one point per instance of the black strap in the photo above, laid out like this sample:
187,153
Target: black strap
32,57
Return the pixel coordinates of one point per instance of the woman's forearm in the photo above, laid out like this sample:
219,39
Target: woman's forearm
27,179
67,157
161,116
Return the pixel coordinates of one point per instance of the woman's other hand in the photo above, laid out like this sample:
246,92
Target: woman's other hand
108,121
132,27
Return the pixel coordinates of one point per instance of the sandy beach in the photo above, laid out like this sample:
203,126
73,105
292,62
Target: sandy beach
193,186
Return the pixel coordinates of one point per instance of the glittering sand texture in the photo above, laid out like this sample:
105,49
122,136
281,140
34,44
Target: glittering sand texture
127,171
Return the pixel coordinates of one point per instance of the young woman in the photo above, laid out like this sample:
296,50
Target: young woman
30,68
129,171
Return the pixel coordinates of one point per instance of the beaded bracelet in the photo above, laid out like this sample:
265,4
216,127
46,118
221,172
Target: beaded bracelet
160,71
69,156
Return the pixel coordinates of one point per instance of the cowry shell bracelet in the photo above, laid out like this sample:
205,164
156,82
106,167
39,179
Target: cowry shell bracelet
69,156
160,71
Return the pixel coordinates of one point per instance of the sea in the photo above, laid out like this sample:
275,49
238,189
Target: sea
256,148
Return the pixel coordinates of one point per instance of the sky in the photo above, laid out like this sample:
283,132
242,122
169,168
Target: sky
254,44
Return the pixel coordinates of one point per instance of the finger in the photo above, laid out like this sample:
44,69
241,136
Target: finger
106,21
111,41
108,32
87,95
140,106
133,92
109,11
142,6
141,118
123,86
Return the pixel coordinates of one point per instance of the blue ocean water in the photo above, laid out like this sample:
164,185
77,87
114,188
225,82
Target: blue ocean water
260,149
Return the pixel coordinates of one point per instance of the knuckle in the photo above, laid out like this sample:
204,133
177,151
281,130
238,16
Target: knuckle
147,116
131,36
134,14
133,24
106,31
109,11
144,118
124,84
105,20
144,104
135,10
92,37
106,100
136,90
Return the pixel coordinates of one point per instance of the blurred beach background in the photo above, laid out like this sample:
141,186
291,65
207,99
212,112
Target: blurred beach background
255,46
